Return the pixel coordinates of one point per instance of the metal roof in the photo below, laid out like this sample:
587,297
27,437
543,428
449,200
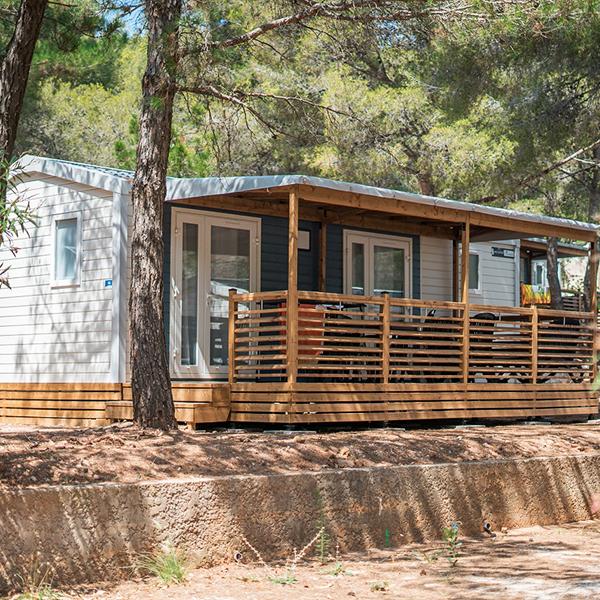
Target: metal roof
185,188
179,189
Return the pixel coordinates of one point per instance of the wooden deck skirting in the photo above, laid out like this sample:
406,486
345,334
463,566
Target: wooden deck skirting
57,404
347,403
97,404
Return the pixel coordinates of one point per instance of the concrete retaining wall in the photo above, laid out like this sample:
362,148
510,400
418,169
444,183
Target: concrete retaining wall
96,532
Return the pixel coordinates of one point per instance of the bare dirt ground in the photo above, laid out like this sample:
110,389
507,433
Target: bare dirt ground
536,563
33,456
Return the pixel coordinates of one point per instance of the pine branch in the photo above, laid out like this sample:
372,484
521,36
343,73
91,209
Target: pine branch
529,180
347,10
239,96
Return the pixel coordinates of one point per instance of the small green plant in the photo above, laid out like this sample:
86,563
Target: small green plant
453,544
287,579
43,592
429,556
324,539
338,569
15,215
37,585
167,564
289,576
323,546
380,586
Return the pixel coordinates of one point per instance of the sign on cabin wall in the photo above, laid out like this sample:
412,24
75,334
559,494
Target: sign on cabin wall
503,252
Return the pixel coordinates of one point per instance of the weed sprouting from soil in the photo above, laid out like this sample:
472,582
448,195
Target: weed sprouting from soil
323,546
37,585
453,544
167,564
288,576
338,569
324,539
287,579
43,592
451,549
380,586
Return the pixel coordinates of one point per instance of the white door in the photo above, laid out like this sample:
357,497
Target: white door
210,255
375,264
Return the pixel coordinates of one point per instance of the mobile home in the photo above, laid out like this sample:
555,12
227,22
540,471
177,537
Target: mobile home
287,299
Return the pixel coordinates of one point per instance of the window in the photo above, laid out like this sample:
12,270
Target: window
474,278
539,273
66,251
376,264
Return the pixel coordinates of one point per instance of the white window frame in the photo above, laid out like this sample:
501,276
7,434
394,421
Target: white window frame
544,265
369,240
76,281
479,288
204,220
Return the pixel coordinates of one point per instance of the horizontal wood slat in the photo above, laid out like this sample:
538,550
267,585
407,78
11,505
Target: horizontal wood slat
380,358
89,404
329,403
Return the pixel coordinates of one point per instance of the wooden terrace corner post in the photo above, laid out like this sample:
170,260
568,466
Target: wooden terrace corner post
292,295
231,337
385,348
594,257
464,297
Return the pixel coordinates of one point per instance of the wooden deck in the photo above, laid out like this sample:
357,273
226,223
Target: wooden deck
358,359
97,404
332,358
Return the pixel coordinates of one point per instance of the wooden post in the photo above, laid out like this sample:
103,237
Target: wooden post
292,292
593,292
385,348
534,343
323,258
466,237
385,342
231,337
534,355
455,276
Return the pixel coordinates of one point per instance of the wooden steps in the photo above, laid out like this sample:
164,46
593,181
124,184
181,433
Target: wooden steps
97,404
195,403
190,413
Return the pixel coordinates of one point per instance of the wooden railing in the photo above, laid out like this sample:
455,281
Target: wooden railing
378,339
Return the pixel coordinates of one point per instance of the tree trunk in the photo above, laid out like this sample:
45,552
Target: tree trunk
593,217
150,379
553,278
14,71
425,184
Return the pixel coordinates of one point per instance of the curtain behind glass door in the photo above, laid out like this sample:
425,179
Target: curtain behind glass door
189,296
229,268
389,271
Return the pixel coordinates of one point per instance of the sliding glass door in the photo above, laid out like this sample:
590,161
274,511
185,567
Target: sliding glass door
211,255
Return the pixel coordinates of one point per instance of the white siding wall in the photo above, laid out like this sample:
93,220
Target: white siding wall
436,269
497,274
498,277
60,334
